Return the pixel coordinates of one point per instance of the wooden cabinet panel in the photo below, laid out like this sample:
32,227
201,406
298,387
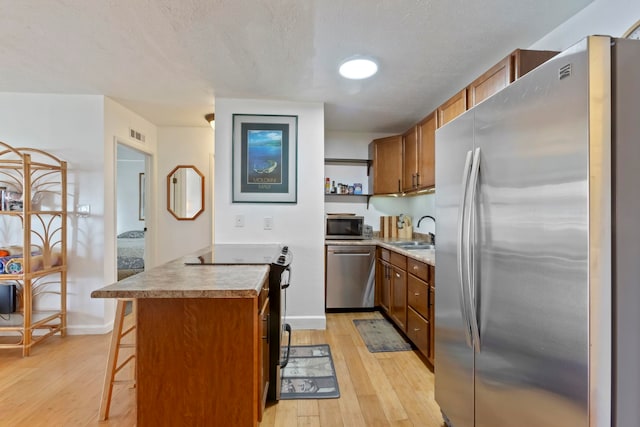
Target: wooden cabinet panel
387,165
451,109
418,269
418,295
432,314
398,260
410,159
426,177
526,60
496,78
383,284
263,337
398,308
418,331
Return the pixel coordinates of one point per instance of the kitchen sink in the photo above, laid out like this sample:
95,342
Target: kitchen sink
413,245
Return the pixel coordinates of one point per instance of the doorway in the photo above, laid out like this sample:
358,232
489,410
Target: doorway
132,170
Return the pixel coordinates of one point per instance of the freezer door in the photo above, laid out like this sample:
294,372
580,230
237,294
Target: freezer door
453,354
532,217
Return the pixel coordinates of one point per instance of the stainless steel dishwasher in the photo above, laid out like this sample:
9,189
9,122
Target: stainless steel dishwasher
350,276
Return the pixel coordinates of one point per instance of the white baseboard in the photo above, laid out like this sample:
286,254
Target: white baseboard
89,329
307,322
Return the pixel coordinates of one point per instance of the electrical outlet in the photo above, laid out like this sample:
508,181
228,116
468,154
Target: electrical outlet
268,223
239,220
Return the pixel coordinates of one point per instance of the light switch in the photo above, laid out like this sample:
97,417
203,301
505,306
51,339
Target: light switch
239,220
268,223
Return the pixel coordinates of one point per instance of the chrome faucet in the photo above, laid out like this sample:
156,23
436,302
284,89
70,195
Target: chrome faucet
431,235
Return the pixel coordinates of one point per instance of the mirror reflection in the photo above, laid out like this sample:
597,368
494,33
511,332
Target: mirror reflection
185,192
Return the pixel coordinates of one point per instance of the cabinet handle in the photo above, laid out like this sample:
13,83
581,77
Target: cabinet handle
398,275
417,294
413,180
399,186
416,329
415,267
417,180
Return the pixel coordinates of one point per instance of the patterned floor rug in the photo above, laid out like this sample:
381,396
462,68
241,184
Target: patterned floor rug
379,335
310,374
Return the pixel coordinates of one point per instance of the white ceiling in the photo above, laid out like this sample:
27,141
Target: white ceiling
168,59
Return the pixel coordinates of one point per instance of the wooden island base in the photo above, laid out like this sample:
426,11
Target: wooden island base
198,362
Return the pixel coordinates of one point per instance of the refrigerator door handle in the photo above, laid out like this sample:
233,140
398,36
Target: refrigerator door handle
470,253
466,172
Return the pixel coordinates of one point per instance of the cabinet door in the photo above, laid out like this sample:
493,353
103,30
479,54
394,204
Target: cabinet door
426,176
496,78
398,309
410,159
451,109
387,165
383,276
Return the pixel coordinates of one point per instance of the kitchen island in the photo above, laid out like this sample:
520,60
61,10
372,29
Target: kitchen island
199,343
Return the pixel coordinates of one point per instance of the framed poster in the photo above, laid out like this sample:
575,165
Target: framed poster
265,159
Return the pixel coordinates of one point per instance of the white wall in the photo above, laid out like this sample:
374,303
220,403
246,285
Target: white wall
184,146
606,17
298,225
69,127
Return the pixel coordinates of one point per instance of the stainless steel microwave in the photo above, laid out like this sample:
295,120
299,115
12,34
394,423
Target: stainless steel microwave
346,227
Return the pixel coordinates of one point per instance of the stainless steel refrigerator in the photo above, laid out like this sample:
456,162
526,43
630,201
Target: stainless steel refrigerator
538,255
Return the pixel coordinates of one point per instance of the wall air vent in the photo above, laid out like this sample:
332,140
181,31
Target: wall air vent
136,135
564,72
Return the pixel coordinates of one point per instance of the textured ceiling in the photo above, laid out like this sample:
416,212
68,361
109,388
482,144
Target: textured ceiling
168,60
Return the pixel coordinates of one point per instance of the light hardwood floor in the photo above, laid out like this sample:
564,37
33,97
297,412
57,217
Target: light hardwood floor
61,382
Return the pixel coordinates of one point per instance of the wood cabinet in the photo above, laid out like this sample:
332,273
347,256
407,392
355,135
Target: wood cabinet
398,303
383,279
432,314
452,108
420,314
505,72
200,360
493,80
387,165
419,155
427,151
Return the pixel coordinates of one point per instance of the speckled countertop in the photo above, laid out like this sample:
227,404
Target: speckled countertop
177,280
424,255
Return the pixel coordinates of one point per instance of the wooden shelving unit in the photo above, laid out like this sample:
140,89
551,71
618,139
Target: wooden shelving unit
33,229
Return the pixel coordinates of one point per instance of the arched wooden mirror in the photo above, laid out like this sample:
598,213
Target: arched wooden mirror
185,192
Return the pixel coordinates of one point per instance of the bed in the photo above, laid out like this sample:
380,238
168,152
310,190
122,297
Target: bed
130,253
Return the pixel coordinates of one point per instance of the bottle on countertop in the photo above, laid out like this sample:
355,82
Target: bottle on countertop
333,186
327,186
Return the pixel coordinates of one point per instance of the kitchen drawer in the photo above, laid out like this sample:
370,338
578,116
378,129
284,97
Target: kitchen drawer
418,331
418,295
384,254
399,260
419,269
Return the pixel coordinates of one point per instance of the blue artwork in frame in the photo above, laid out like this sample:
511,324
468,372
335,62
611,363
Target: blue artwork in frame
264,159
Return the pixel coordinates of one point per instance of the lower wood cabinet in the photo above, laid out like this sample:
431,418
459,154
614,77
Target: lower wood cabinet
406,291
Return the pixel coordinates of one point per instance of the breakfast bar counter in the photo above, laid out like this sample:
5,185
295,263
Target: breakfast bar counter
200,342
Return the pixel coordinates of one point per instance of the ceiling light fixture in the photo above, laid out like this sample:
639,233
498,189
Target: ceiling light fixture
358,68
211,118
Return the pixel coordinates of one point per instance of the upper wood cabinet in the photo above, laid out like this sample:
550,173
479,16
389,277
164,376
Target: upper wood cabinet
419,155
387,165
515,65
410,159
451,109
427,150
